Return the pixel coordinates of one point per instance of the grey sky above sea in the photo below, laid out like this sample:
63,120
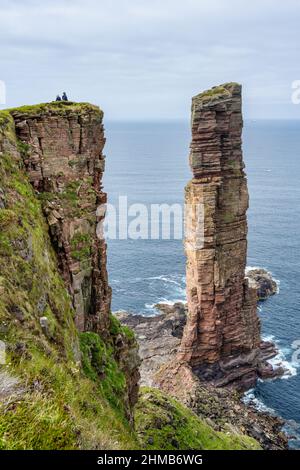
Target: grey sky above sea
142,59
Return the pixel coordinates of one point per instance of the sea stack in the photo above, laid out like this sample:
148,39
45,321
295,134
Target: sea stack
215,340
221,340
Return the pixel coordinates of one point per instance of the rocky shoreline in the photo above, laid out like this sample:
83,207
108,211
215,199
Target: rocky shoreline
159,338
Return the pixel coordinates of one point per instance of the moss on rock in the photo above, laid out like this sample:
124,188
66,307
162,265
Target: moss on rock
216,92
99,365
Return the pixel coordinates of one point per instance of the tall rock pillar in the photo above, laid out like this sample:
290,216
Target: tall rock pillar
222,334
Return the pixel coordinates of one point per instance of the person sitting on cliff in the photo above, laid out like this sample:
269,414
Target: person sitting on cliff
64,96
58,98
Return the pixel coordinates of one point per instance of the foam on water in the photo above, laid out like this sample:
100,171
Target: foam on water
251,268
164,279
280,359
250,398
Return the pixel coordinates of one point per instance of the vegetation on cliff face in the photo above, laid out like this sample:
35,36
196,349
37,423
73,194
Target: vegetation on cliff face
163,423
99,365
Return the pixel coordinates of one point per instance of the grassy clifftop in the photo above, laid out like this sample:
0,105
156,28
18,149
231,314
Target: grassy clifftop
56,107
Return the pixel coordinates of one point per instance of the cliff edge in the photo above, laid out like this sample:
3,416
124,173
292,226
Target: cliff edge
62,150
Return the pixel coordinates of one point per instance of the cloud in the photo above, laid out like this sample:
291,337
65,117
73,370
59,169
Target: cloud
140,59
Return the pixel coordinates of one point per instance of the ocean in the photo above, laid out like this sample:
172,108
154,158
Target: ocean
148,163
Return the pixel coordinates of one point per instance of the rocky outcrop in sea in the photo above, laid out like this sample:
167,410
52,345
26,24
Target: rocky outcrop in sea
262,280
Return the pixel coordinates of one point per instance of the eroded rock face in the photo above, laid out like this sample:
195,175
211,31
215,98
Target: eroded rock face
222,335
62,148
159,338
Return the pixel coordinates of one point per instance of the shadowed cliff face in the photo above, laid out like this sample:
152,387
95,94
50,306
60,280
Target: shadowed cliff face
222,334
61,146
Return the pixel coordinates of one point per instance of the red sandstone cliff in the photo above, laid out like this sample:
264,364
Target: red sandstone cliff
53,273
62,145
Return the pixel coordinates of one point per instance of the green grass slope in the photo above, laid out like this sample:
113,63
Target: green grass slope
163,423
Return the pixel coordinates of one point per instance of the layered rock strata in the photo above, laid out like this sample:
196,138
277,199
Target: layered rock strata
61,145
221,340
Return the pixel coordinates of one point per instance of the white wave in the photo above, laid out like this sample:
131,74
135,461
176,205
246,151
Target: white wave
164,279
291,428
251,268
278,284
177,292
171,279
270,338
150,306
249,398
280,360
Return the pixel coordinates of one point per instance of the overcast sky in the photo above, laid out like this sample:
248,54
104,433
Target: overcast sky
145,59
